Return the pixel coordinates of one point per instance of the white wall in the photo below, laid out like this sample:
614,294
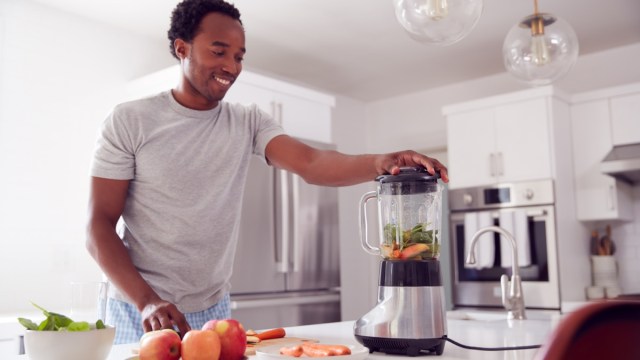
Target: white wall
59,77
626,236
359,270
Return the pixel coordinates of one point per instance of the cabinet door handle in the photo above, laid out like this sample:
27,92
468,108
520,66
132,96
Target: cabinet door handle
500,164
611,198
492,164
280,117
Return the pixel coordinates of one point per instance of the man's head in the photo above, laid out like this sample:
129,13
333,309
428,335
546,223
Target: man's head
186,18
208,38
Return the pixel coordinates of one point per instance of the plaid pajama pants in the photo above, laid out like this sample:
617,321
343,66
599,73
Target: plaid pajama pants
128,321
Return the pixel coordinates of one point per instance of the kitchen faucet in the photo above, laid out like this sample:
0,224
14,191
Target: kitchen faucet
512,297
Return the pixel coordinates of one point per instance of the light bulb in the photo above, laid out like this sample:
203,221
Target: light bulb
540,49
436,9
439,22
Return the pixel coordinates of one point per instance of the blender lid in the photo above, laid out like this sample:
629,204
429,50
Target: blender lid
410,174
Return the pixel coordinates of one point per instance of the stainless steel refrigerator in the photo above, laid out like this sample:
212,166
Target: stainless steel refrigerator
287,266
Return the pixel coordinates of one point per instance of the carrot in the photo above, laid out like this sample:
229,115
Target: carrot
319,350
340,350
315,351
295,351
271,334
413,250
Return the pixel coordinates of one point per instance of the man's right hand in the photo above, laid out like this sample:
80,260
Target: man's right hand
162,314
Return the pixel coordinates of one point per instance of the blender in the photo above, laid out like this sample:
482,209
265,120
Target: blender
409,317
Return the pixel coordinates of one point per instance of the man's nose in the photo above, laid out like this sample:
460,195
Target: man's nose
231,66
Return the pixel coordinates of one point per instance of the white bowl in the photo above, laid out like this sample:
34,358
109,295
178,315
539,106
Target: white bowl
69,345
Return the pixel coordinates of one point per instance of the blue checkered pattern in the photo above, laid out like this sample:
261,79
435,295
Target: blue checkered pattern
128,321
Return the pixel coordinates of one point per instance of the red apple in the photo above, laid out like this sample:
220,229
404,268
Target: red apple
200,345
233,338
160,345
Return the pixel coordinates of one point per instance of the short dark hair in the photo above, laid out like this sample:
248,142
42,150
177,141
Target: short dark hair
186,18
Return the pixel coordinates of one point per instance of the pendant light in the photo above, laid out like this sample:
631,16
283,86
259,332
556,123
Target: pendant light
540,48
439,22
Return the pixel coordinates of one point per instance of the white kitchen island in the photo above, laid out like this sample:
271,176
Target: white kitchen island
473,329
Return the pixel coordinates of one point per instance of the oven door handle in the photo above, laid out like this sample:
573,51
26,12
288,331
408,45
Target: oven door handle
529,213
537,213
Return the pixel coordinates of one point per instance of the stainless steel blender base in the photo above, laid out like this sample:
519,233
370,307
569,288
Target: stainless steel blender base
409,347
407,320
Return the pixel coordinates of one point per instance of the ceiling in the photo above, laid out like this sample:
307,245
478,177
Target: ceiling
356,48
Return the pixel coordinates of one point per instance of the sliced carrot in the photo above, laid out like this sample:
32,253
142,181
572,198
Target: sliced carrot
312,350
413,250
271,334
295,351
318,350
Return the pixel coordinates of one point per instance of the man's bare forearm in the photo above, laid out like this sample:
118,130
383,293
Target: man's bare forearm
106,247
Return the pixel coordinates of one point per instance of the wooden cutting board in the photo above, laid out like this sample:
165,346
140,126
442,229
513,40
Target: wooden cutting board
285,341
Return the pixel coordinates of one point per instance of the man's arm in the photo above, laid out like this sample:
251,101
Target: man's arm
332,168
106,203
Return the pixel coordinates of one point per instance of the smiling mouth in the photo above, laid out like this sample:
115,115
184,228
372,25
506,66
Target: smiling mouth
221,81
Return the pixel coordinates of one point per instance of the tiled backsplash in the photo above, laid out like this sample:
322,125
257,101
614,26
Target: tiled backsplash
626,236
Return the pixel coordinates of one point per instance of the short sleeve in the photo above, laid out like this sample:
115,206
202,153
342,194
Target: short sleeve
266,130
114,155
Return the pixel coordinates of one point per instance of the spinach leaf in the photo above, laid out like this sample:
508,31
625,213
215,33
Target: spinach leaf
30,325
79,326
57,322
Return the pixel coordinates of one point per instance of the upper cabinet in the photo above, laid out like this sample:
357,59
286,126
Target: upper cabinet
625,118
303,113
505,138
600,120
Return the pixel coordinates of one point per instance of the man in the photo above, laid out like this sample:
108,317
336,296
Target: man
173,166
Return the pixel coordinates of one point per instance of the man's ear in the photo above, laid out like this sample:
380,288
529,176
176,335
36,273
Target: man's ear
181,48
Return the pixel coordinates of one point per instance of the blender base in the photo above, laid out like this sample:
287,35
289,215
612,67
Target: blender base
409,347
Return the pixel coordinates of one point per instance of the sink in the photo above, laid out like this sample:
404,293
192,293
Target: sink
495,315
476,315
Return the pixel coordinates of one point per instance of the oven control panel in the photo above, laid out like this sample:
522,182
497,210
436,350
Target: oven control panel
503,195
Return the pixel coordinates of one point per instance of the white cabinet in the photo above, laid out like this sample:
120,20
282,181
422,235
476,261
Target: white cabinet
303,113
625,119
500,139
595,131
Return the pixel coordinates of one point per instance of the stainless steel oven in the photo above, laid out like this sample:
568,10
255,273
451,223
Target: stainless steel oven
533,204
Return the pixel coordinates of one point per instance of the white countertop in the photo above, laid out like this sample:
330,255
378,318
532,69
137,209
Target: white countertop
469,328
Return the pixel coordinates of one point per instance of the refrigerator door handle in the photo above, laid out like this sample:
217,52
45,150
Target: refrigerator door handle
283,263
297,237
286,301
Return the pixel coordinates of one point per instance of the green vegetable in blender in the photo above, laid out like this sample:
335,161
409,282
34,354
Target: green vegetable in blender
416,235
58,322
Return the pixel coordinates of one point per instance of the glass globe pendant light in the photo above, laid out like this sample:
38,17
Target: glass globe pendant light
439,22
540,48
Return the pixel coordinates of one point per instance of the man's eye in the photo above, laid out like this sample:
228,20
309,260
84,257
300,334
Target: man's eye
218,53
239,59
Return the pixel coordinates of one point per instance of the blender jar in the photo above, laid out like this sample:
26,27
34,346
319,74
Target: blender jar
409,215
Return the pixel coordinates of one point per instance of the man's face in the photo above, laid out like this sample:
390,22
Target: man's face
213,60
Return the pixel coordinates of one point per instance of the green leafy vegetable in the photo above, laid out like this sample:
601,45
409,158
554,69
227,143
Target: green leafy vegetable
30,325
419,234
58,322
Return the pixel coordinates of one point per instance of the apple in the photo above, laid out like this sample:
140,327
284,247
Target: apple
233,338
160,345
200,345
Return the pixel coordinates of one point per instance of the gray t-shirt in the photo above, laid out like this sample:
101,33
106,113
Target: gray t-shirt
187,170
